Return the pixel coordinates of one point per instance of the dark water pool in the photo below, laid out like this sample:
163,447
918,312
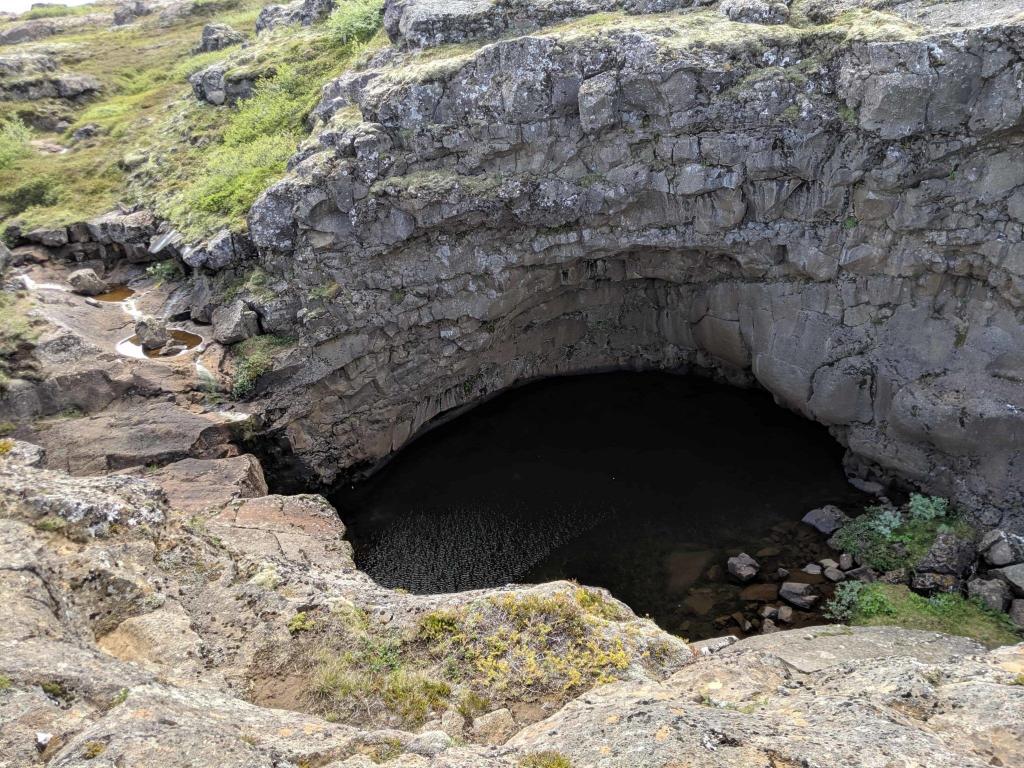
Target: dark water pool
640,483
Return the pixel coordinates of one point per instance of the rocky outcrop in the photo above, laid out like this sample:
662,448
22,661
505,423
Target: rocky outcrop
147,623
792,207
217,37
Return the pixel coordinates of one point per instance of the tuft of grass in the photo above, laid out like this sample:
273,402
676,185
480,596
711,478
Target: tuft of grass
254,357
372,678
300,622
545,759
894,604
6,446
5,683
14,139
93,749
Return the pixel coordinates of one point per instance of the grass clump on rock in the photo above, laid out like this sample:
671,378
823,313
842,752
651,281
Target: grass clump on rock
254,358
546,759
879,604
889,539
536,646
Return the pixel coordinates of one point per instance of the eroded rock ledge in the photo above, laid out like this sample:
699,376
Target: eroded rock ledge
149,624
832,209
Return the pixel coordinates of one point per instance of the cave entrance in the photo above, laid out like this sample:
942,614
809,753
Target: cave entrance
643,483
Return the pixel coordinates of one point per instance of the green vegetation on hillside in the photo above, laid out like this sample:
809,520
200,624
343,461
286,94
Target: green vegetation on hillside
894,604
198,165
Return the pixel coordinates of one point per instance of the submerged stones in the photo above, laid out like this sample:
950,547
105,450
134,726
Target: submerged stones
827,519
743,567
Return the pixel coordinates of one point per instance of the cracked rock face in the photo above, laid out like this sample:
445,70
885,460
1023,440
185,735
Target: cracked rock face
833,212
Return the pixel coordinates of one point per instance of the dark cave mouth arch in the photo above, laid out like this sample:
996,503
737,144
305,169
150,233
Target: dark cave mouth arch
640,482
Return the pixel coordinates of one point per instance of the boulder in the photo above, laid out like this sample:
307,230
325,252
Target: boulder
1012,576
798,594
743,567
949,554
1016,612
755,11
834,574
152,333
992,592
827,519
87,283
217,36
861,573
1000,548
495,727
235,322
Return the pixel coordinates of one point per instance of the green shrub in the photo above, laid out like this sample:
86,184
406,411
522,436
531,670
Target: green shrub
5,683
843,604
237,174
926,508
14,139
894,604
354,21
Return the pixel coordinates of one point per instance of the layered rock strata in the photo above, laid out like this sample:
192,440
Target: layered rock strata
830,208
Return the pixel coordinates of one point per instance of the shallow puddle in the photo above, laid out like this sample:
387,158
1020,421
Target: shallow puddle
116,294
641,483
131,347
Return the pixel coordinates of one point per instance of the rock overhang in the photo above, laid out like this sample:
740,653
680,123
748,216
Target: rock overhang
827,210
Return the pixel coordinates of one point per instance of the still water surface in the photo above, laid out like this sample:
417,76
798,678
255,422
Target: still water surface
640,483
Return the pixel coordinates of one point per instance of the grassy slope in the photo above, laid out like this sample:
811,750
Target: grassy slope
199,166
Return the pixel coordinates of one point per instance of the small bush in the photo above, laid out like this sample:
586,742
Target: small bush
14,138
546,759
924,508
472,704
844,602
437,626
354,21
93,749
5,683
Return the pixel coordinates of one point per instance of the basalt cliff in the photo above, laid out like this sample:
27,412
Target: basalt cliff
292,239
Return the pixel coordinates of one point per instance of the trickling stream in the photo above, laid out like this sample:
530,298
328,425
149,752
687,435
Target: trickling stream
641,483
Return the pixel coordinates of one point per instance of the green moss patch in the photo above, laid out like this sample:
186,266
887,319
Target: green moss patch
894,604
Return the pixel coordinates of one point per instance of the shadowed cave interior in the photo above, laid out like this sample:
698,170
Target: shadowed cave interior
643,483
